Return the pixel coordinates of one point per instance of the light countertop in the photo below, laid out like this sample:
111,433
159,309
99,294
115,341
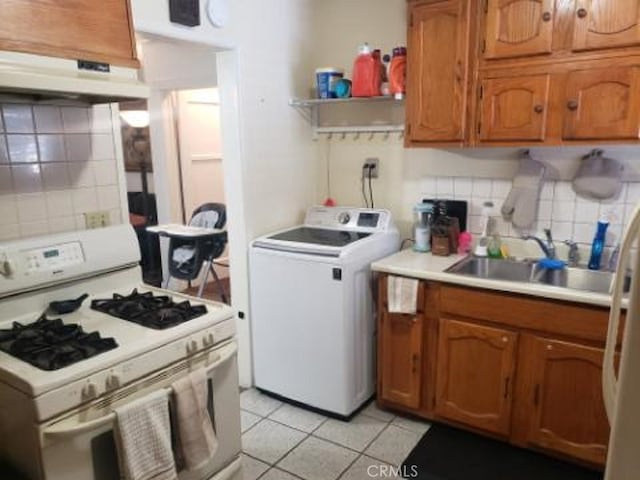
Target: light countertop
426,266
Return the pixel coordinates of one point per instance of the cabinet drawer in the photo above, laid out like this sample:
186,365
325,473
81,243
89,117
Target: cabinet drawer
562,318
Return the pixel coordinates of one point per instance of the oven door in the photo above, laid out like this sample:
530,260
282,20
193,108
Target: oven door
81,445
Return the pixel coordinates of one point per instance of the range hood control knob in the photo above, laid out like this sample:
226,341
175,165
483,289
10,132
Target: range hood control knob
208,340
89,391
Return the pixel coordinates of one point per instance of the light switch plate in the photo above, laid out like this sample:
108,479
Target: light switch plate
94,220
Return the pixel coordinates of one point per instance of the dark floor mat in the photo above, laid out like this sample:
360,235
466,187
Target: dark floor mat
446,453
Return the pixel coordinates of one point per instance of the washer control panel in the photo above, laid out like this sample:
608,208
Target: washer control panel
365,219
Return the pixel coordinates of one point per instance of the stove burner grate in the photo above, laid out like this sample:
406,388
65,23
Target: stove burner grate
51,344
153,311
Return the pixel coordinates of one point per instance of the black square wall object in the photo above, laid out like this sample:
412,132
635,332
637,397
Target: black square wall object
185,12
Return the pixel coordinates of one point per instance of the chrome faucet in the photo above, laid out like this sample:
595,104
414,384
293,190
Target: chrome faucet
574,254
547,247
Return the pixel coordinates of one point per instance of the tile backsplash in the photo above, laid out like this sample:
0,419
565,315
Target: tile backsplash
56,163
570,217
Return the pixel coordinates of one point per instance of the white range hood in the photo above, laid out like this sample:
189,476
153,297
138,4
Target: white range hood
60,80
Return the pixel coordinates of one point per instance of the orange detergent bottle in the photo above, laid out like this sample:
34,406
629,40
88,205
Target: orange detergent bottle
398,73
366,80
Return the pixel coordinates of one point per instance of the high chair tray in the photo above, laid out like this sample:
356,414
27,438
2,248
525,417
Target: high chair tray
177,230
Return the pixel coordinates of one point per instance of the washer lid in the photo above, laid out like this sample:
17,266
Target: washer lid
320,236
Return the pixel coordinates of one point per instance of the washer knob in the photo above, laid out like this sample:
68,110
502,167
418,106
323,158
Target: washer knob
344,218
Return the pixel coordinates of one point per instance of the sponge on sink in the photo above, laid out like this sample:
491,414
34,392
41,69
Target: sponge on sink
521,206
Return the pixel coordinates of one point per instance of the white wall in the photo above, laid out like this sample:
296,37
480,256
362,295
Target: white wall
273,180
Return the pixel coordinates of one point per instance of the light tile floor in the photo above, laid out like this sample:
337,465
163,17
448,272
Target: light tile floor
283,442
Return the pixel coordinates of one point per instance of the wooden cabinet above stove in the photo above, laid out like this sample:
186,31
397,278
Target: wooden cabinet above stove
99,31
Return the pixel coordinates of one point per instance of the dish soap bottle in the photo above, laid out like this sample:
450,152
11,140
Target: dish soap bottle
494,249
598,245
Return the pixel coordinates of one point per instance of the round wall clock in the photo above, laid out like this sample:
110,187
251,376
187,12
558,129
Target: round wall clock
218,12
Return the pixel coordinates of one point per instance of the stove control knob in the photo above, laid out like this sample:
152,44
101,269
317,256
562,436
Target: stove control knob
89,391
113,381
192,347
344,218
208,340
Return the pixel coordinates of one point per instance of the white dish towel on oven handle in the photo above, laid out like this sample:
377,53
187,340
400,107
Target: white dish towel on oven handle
402,295
143,438
197,440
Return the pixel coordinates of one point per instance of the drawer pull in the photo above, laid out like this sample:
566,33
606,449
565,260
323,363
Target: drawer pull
572,105
507,381
582,13
538,109
546,16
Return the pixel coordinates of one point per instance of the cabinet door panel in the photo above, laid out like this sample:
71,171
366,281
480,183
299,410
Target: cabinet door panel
519,28
515,108
606,24
400,353
568,415
80,29
438,72
475,373
603,104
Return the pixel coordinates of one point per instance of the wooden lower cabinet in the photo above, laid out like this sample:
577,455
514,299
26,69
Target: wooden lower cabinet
564,390
400,349
475,373
524,369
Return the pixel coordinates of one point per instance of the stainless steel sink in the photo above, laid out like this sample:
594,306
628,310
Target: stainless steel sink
494,269
576,279
529,272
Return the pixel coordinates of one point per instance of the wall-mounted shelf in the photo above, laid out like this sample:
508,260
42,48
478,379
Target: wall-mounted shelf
364,109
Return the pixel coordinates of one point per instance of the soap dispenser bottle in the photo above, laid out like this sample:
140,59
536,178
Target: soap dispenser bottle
597,246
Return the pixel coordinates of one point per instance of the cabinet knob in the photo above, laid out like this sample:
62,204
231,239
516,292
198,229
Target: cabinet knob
549,347
582,13
546,16
505,339
538,109
572,105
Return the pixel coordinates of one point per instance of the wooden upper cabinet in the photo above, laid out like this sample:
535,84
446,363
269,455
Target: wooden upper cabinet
100,31
438,71
606,24
516,28
475,375
568,413
400,353
514,108
603,104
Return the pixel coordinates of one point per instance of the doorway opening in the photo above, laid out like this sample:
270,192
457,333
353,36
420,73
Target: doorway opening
201,166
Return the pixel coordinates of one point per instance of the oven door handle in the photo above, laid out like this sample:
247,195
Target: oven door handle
59,432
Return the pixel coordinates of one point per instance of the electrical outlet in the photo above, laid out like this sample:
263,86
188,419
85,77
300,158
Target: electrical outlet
374,170
97,219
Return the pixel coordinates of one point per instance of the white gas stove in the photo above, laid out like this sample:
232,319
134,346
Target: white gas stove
62,375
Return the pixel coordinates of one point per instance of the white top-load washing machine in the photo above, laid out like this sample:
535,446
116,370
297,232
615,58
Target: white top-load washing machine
312,307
